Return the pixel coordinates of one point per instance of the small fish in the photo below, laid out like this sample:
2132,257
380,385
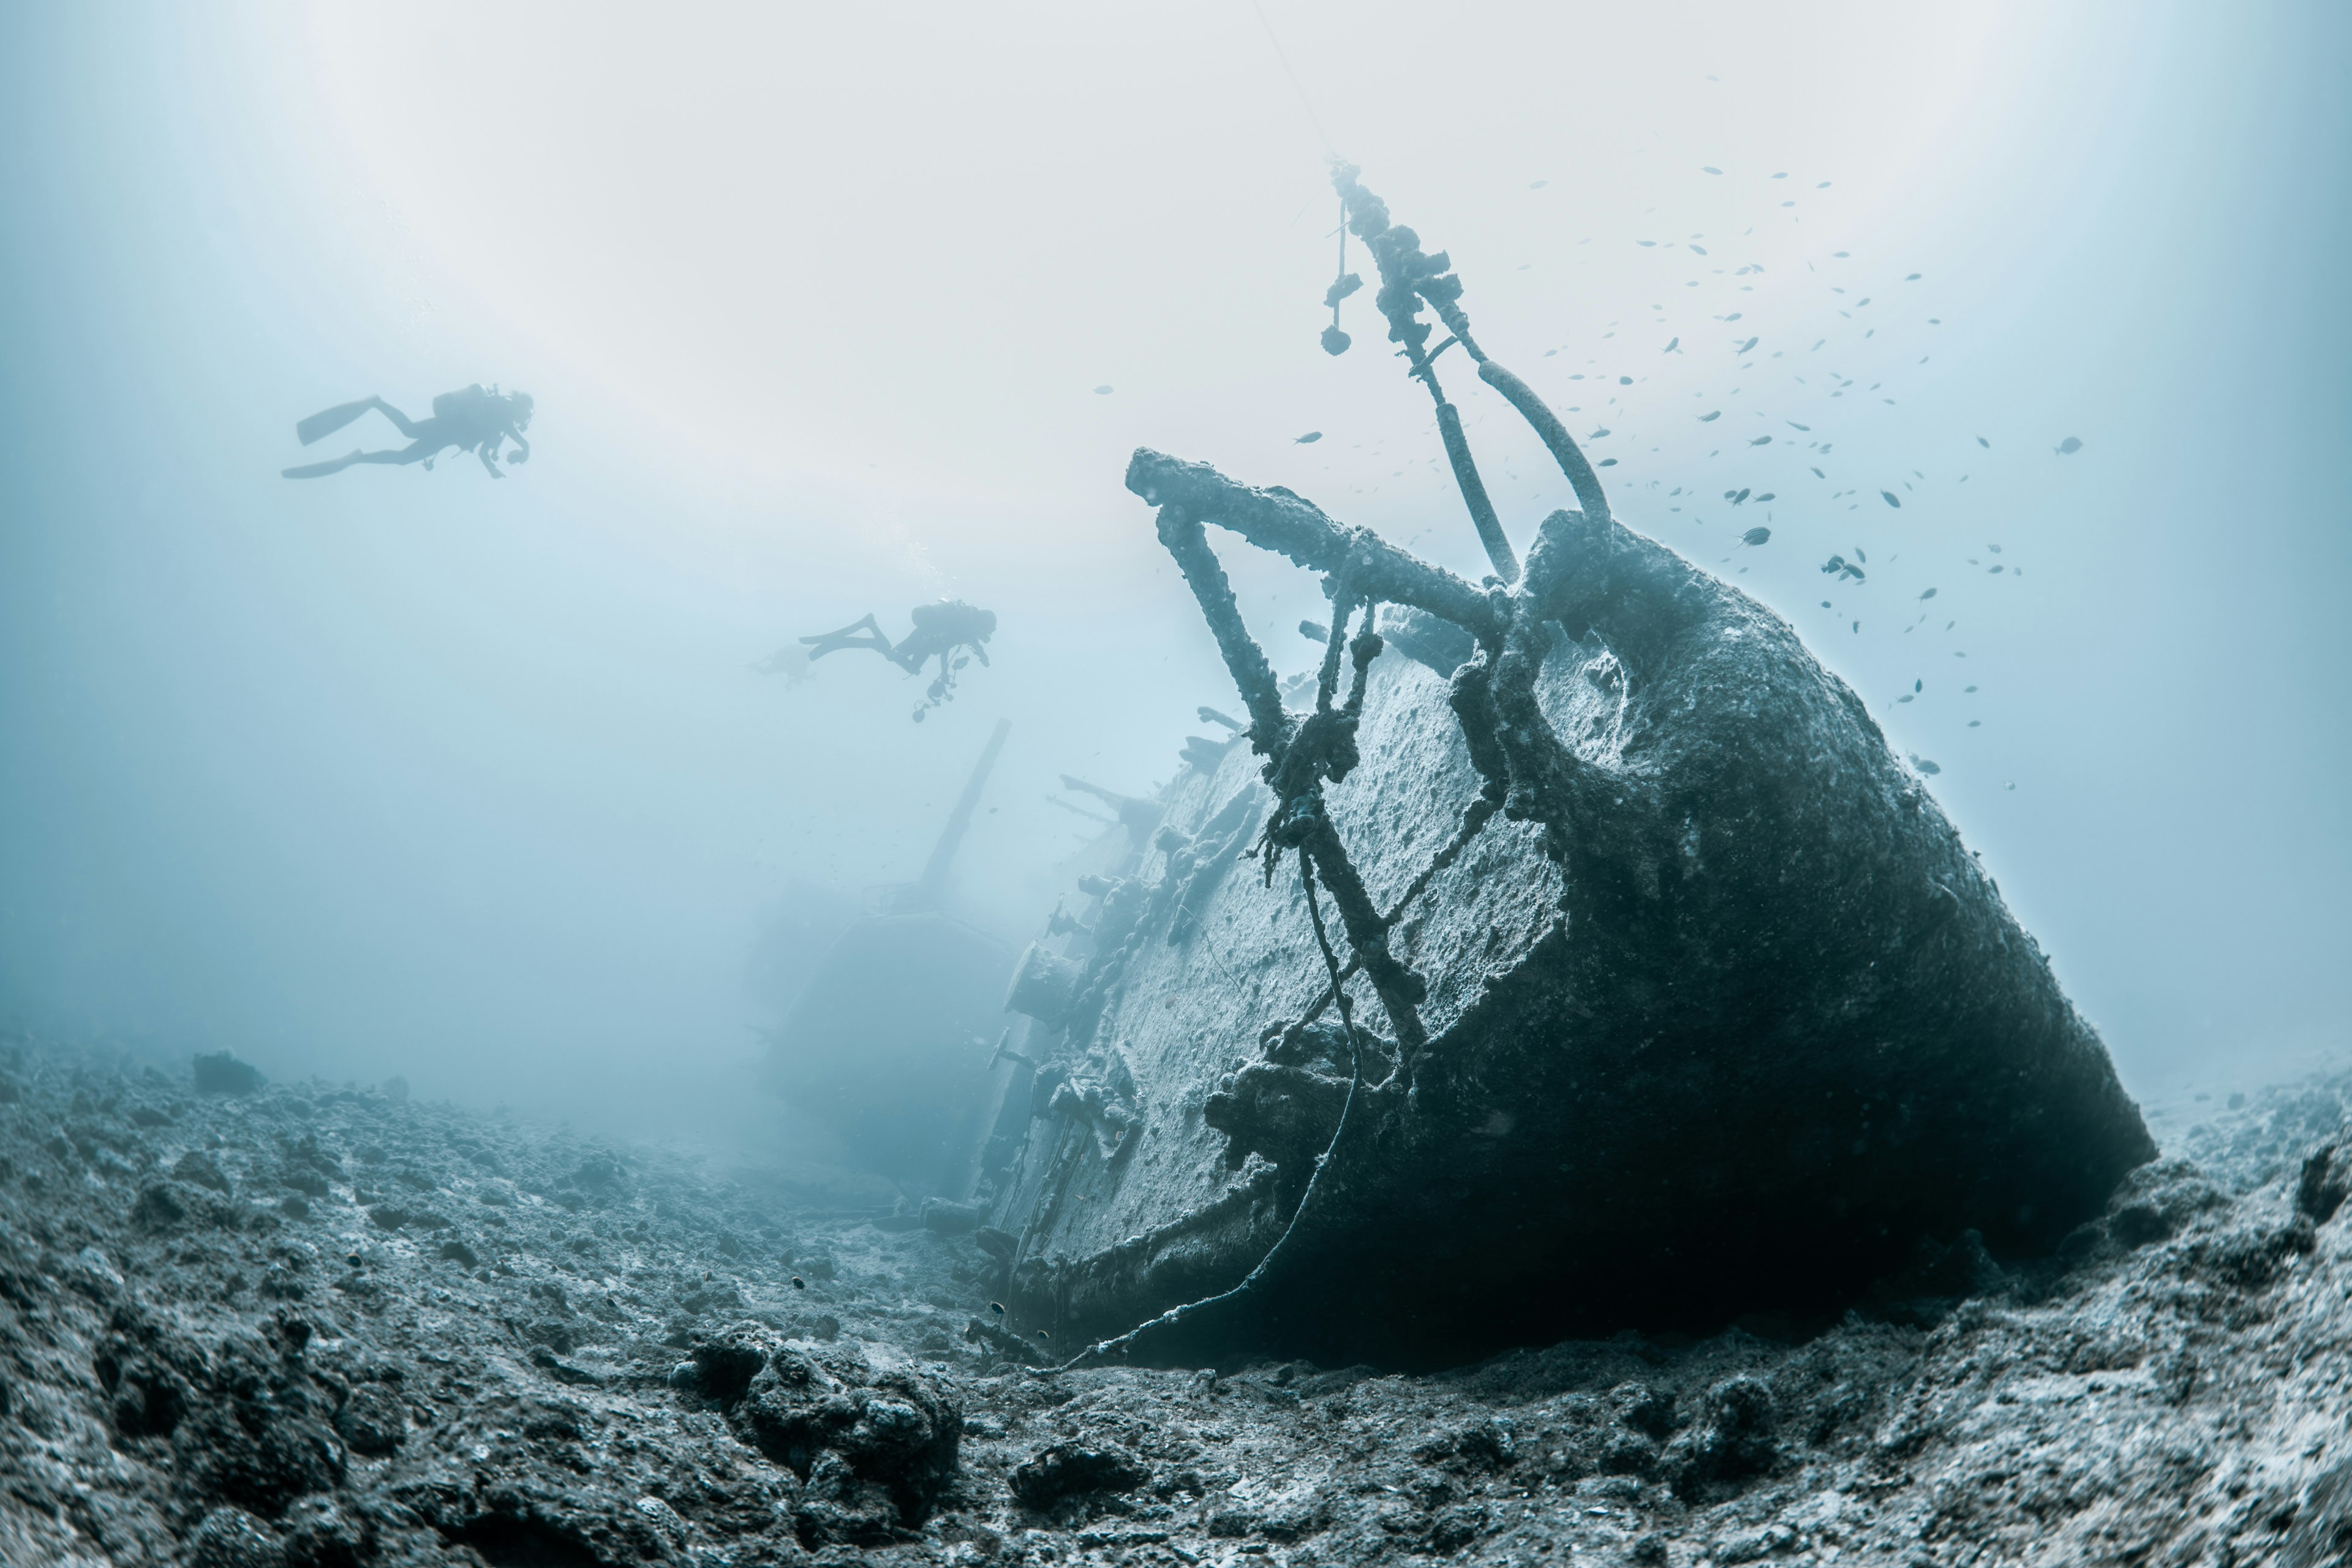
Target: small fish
1913,277
1765,496
1905,698
1806,428
1744,347
2009,786
1102,392
798,1283
1709,169
1536,185
2069,446
1928,595
1709,419
1598,434
1918,686
1741,496
1671,345
1624,380
1700,248
1925,767
1994,548
1969,689
1761,441
1985,444
1892,499
1974,723
997,1308
1756,535
1309,439
1858,556
1819,475
1606,463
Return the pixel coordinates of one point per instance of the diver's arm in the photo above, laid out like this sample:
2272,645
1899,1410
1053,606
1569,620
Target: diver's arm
485,452
978,652
521,453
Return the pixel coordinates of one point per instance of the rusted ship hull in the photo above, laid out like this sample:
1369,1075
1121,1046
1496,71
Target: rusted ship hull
1720,1014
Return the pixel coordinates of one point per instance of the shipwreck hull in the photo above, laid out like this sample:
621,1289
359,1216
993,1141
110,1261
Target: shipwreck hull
1720,1014
885,1050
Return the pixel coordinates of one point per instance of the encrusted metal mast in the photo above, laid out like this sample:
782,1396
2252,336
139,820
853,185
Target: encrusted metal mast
1409,278
1521,762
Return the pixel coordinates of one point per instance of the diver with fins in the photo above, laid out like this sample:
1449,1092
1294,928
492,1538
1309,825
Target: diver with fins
471,420
944,630
941,628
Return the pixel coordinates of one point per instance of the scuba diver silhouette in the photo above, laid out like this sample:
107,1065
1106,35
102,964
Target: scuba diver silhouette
942,631
471,420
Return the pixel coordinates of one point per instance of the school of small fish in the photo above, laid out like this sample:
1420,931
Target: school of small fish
1834,280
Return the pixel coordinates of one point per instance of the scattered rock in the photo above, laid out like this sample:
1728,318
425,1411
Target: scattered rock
1068,1469
197,1167
232,1538
875,1447
221,1073
2325,1184
724,1368
1456,1527
373,1420
259,1435
1733,1442
159,1207
319,1533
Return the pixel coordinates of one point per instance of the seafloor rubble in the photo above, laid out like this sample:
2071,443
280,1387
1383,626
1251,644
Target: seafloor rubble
312,1327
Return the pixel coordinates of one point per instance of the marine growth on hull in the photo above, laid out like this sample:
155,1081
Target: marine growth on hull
1571,953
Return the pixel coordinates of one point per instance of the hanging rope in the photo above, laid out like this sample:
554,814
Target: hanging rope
1295,86
1175,1315
1336,341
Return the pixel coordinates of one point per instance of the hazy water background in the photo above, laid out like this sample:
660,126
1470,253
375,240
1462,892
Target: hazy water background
418,772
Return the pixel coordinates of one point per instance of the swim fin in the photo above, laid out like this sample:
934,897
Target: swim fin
329,421
321,470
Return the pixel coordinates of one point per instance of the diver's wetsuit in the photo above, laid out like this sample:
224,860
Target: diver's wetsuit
471,420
